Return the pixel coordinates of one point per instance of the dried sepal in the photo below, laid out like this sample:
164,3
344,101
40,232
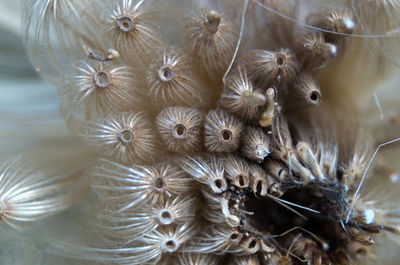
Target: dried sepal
256,144
181,129
126,137
212,39
240,97
132,32
222,131
272,67
131,187
171,82
208,171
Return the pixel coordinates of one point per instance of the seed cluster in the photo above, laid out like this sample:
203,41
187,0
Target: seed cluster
204,163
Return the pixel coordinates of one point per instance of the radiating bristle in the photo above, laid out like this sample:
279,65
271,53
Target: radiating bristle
272,67
127,137
222,131
256,144
208,171
181,129
237,171
29,195
132,31
305,93
212,39
171,82
130,187
316,52
240,97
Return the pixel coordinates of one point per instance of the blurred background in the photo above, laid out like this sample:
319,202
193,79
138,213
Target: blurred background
29,113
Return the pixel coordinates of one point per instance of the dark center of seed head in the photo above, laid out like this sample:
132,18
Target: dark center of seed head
160,184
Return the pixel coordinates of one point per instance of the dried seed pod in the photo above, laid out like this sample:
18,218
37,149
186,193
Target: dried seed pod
208,171
222,131
240,97
127,137
290,159
268,115
251,245
131,187
316,51
237,171
256,144
132,32
171,82
181,128
212,39
306,92
272,66
197,259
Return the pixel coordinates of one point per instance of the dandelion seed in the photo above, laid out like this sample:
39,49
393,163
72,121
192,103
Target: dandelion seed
171,82
107,87
272,66
222,132
181,128
240,98
131,187
127,137
212,39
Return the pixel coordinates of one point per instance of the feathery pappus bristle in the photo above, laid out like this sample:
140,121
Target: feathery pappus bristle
212,39
171,82
240,97
181,129
132,31
130,187
208,171
227,132
222,131
126,137
272,67
107,86
29,195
